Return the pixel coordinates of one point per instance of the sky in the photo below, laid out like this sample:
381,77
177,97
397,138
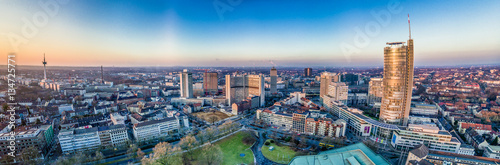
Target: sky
246,32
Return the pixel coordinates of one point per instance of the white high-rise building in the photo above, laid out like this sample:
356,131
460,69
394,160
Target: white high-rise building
186,84
337,91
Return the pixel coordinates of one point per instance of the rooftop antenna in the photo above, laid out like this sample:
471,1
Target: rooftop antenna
409,27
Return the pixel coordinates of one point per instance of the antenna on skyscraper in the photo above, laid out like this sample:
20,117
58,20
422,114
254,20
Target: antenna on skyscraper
409,27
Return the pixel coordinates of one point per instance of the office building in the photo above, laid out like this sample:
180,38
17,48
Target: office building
430,135
337,91
349,155
239,87
375,90
423,109
325,80
154,129
24,137
114,135
210,83
186,82
79,140
350,78
308,72
274,80
359,124
397,82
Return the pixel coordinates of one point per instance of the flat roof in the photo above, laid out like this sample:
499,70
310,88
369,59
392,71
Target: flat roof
353,154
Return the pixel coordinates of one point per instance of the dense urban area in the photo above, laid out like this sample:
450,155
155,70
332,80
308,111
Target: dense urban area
219,115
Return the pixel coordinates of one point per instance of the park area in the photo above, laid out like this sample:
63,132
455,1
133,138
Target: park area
234,149
279,153
211,117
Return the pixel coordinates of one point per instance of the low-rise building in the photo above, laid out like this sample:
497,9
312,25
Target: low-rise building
491,151
421,155
479,128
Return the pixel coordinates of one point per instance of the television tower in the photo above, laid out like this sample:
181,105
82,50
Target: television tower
44,68
102,75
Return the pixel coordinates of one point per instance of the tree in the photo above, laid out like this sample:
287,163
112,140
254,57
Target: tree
164,154
187,144
30,155
140,154
5,107
78,158
495,142
213,119
210,134
98,156
211,154
303,141
131,150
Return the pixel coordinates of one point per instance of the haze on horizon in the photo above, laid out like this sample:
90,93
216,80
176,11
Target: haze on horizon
251,33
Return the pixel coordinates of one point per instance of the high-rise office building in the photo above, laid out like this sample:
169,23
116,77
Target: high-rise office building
210,82
397,82
274,77
375,90
308,72
186,84
338,91
325,80
239,87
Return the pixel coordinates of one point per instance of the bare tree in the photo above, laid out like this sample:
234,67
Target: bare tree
131,151
98,156
30,155
211,154
187,144
163,153
140,154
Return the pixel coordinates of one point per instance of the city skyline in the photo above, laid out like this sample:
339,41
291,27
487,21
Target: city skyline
252,33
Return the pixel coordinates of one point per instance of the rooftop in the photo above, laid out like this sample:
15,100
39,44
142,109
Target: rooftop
353,154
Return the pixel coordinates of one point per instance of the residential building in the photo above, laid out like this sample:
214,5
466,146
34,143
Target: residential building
481,129
421,155
240,107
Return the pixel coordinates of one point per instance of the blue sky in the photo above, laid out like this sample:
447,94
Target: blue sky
251,33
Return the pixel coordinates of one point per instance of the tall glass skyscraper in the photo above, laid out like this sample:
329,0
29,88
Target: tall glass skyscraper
397,82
